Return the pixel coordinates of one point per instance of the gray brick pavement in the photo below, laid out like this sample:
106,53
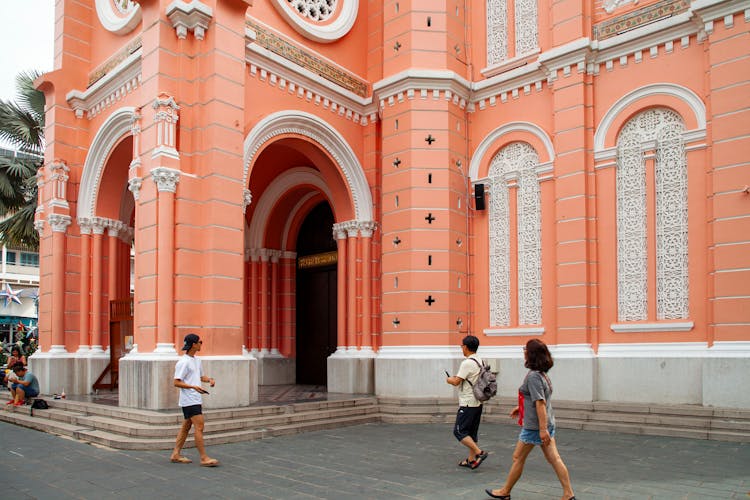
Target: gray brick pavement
378,461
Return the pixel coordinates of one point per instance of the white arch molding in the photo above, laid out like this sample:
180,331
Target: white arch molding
284,182
121,20
312,127
658,89
114,128
508,128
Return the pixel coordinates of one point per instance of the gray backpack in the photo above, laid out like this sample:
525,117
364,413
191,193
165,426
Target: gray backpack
486,384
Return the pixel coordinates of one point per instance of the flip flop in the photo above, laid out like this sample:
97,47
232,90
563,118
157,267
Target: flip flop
181,460
211,463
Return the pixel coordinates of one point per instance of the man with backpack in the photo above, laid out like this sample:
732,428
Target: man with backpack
466,428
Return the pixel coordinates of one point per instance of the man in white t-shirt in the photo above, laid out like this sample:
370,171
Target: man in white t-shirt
188,375
466,428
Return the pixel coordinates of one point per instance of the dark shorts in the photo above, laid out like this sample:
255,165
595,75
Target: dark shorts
191,411
28,391
467,422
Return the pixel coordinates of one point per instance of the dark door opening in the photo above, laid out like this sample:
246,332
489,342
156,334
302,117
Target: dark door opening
316,296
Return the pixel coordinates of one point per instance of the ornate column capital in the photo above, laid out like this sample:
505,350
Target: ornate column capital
99,224
265,254
59,222
39,226
366,228
134,186
85,224
166,179
114,227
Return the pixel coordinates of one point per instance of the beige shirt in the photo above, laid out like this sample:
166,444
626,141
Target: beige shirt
469,370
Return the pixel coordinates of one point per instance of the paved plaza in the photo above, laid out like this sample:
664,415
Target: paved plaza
380,461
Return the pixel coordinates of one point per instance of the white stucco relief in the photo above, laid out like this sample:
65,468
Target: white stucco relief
323,21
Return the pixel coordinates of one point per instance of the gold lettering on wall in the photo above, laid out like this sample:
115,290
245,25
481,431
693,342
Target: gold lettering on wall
317,260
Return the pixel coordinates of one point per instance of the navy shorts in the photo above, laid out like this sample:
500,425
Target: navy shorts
28,391
191,411
467,422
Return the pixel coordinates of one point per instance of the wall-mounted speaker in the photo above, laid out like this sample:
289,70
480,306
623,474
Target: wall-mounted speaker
479,196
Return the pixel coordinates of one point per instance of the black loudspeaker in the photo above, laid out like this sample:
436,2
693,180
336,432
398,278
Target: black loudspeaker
479,196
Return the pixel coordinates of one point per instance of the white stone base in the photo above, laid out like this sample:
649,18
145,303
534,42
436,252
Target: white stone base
148,381
725,382
55,372
351,375
276,370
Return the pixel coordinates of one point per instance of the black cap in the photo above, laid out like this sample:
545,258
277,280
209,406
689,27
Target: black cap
190,339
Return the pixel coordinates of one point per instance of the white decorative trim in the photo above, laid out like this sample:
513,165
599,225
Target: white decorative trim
492,137
441,84
116,22
57,349
658,89
514,332
671,326
323,33
164,349
654,350
116,126
247,198
271,195
420,352
730,349
185,17
111,88
312,127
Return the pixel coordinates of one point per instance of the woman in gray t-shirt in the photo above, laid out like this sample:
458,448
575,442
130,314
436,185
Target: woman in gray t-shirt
537,419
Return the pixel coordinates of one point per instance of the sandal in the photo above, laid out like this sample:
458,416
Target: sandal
465,463
211,463
480,458
181,460
489,492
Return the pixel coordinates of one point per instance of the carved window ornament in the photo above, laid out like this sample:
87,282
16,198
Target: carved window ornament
522,27
323,21
661,129
118,16
517,162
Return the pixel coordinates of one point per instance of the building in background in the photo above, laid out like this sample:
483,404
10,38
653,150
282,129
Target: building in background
337,191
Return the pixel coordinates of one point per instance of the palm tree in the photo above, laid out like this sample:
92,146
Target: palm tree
22,126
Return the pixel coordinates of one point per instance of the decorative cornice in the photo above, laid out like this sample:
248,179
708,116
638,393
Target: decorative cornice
635,18
194,16
108,89
422,83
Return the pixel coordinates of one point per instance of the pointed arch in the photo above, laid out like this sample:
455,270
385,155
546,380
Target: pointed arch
328,138
114,128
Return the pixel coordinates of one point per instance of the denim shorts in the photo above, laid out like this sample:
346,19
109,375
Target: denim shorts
529,436
27,391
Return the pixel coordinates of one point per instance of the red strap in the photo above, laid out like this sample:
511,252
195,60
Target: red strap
520,408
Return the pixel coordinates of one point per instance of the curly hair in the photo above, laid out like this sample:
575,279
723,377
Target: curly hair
538,357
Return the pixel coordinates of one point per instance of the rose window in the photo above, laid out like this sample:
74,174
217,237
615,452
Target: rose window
315,10
124,6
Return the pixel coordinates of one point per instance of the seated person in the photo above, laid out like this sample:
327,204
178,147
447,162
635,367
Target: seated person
24,385
15,357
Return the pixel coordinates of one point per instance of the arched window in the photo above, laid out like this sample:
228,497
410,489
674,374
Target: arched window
512,29
514,182
652,140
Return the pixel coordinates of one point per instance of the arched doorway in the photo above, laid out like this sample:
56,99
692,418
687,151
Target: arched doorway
316,295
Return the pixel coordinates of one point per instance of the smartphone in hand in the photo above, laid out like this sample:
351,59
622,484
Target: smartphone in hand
203,391
447,374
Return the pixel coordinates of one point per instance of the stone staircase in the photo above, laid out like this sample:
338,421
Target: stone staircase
691,421
133,429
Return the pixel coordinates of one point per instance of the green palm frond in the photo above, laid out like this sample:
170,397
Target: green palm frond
17,231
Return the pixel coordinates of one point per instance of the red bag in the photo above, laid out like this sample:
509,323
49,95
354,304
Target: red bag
520,408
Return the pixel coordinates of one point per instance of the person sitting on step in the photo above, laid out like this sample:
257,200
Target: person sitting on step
24,385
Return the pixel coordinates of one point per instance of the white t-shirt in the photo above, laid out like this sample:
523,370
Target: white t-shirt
469,370
189,370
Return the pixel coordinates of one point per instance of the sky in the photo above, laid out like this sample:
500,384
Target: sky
26,40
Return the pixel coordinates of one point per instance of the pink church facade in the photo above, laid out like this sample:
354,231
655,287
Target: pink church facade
335,192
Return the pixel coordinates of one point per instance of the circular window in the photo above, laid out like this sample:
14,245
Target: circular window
118,16
324,21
